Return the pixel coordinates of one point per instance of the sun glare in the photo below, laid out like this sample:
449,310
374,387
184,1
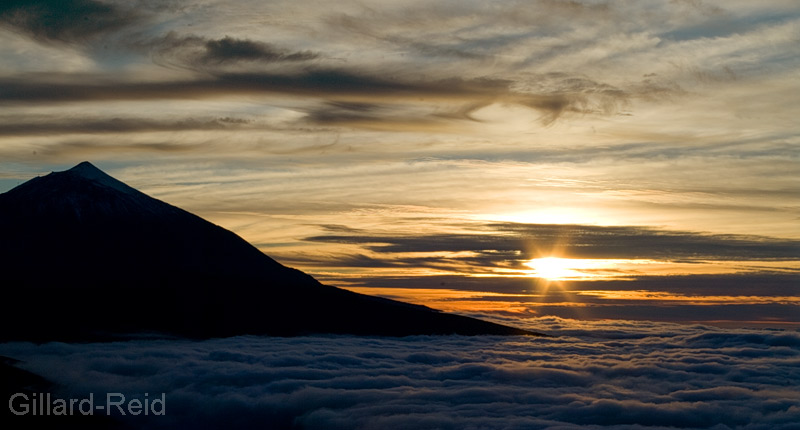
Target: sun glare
584,269
554,268
559,269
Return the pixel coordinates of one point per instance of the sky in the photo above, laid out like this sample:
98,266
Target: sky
606,375
575,159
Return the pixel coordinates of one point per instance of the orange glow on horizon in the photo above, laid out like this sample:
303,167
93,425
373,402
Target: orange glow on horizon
537,302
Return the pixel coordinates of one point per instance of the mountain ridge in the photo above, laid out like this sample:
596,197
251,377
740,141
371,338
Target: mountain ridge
86,256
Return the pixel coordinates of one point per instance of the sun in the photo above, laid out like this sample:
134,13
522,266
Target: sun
553,268
588,269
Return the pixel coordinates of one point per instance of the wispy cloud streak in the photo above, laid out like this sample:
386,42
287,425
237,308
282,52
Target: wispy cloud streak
505,240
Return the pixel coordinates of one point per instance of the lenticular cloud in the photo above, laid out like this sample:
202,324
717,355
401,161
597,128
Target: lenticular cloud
600,376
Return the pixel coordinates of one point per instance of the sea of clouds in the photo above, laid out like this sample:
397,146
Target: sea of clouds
608,375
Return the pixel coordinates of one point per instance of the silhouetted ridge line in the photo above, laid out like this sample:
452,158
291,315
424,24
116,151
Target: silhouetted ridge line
85,256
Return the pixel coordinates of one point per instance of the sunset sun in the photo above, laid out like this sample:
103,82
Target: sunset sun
555,268
559,269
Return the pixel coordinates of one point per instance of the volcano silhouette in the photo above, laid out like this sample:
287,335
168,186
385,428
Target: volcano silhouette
85,257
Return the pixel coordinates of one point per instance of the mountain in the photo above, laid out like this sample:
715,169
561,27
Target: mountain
84,256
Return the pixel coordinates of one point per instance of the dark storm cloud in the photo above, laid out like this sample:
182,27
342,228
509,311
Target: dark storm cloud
65,20
503,240
618,375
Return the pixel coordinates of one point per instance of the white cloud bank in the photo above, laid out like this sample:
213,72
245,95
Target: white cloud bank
602,376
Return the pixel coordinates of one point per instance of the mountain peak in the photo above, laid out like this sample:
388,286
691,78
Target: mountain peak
83,193
87,170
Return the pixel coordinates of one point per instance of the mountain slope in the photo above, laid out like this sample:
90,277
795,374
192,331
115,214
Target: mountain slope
85,256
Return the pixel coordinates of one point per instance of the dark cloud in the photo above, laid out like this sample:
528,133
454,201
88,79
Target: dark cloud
379,116
17,127
724,300
230,49
614,375
65,20
503,240
350,96
766,284
313,82
465,265
198,52
337,112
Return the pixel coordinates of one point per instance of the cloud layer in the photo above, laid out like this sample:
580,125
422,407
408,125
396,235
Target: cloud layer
606,376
